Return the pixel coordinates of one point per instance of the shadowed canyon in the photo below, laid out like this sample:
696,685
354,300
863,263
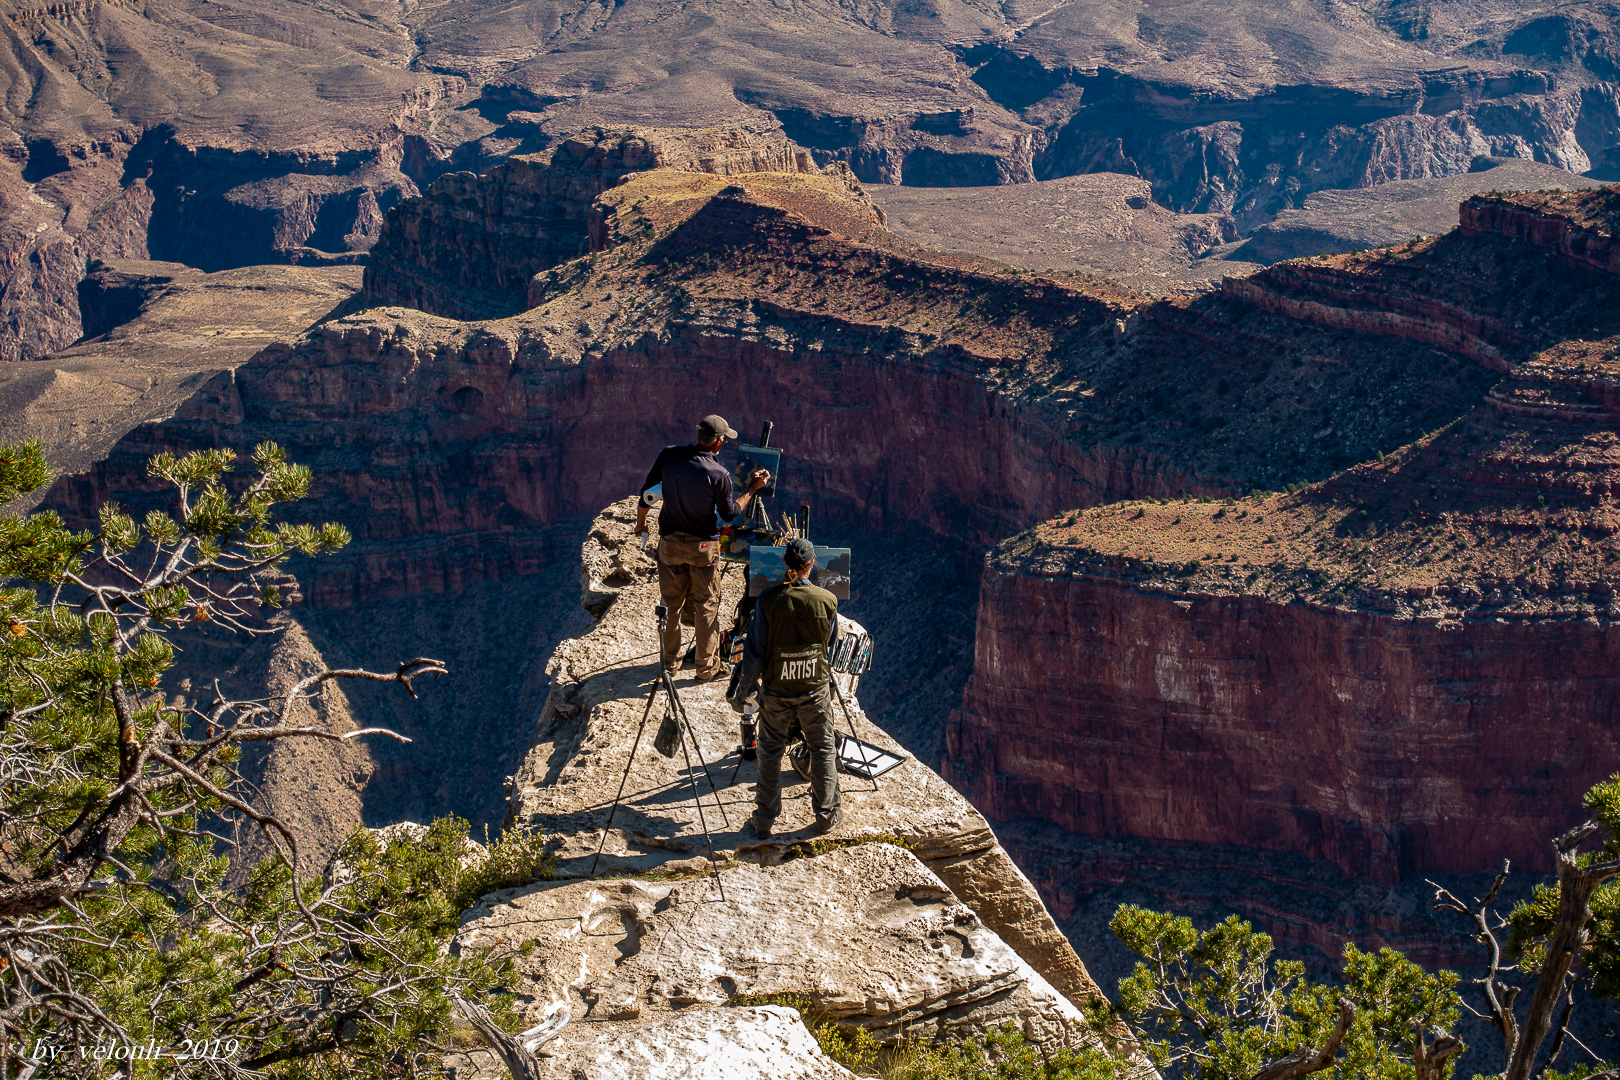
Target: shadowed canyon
1318,546
1222,403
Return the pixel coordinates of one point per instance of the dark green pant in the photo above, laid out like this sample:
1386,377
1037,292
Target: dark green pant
813,715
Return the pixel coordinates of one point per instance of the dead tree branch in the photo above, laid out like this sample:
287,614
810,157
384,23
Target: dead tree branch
1308,1059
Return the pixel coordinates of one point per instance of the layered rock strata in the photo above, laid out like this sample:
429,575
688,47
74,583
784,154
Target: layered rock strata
912,390
468,247
1579,228
1333,671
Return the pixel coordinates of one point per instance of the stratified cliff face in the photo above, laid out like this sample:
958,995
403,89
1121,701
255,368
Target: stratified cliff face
1386,746
1406,669
1580,228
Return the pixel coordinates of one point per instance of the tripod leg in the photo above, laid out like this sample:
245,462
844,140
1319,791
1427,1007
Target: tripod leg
686,723
652,697
850,717
697,800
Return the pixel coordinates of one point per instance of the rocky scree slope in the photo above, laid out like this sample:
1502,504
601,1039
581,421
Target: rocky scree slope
908,921
1099,225
1404,669
928,392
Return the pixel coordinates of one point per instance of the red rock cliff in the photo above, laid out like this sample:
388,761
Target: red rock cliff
1565,224
1406,668
1384,745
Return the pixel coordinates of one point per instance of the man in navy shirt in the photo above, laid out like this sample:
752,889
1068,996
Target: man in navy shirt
696,488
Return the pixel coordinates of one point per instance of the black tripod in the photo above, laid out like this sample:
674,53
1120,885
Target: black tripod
674,716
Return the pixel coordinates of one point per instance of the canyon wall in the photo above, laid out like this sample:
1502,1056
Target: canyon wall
452,453
1403,670
1330,296
1385,746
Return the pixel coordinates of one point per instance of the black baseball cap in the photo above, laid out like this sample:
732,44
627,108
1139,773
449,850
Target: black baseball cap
711,427
800,553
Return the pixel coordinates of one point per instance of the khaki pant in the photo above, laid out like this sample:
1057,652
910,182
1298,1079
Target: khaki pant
688,569
813,715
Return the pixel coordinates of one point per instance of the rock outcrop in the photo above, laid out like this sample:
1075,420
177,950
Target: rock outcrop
865,934
909,920
1580,228
745,1043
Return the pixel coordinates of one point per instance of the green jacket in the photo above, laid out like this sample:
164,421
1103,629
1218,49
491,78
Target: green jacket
794,624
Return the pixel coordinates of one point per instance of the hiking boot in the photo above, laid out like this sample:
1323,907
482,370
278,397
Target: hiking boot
822,828
758,828
721,672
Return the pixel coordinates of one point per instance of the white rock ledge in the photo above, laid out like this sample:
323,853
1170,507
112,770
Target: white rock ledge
763,1042
941,938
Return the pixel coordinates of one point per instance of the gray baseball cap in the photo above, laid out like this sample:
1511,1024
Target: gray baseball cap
800,553
712,427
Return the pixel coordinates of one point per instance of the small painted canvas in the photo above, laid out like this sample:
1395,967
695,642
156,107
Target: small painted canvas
765,568
750,458
832,570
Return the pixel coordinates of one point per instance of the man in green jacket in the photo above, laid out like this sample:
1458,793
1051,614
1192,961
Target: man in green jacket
787,657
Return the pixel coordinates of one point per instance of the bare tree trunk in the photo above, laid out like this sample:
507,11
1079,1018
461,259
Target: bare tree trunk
1429,1059
1307,1059
518,1061
1576,884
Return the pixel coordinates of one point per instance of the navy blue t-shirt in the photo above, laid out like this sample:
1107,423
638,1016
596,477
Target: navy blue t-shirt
696,487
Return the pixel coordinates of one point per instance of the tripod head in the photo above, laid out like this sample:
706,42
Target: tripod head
663,619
